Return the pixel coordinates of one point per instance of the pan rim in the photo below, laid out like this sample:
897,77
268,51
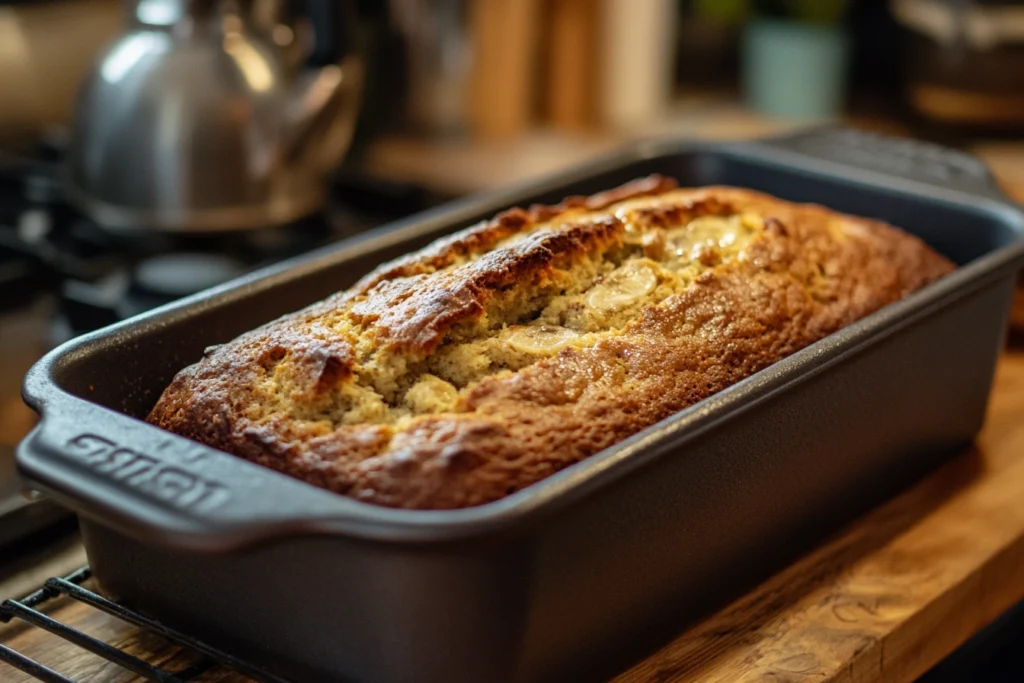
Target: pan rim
43,391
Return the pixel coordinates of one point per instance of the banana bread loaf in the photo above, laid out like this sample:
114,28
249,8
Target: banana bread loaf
496,357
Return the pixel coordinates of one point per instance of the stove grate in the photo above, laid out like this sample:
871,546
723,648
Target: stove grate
71,586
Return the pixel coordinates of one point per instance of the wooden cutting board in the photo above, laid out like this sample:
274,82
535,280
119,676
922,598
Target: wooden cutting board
883,602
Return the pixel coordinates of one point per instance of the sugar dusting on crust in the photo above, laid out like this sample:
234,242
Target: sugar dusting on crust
519,346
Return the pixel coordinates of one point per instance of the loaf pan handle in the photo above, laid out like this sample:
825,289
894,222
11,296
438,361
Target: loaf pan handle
923,162
162,488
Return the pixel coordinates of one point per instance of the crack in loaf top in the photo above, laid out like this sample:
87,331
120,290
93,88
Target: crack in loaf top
512,349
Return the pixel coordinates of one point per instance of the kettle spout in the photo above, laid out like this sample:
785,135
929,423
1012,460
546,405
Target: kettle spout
325,108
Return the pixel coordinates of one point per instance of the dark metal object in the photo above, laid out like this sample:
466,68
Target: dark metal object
25,609
583,572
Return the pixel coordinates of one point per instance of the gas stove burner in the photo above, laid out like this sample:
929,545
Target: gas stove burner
138,282
181,274
109,277
100,277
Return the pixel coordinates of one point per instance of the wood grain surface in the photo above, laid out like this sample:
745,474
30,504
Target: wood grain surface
885,600
570,63
503,77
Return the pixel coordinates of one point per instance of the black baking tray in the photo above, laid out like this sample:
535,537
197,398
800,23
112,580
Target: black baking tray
578,575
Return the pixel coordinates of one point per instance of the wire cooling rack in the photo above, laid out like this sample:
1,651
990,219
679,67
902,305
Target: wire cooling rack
26,610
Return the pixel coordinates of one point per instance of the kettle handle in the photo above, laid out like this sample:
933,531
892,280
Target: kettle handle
333,24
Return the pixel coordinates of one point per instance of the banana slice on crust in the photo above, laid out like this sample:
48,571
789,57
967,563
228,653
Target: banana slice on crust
623,286
729,233
540,339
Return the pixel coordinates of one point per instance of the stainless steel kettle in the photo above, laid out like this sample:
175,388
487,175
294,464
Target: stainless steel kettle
210,115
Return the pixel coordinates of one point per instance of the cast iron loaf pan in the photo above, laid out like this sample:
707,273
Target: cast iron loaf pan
576,576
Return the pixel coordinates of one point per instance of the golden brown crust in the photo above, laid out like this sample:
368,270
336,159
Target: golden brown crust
324,394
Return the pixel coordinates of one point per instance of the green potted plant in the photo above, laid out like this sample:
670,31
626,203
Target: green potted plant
795,58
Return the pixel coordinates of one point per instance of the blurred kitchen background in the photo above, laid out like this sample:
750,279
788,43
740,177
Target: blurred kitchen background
153,148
